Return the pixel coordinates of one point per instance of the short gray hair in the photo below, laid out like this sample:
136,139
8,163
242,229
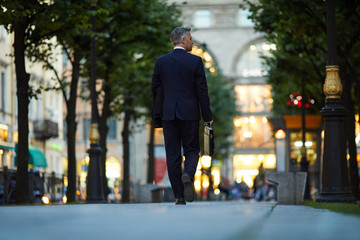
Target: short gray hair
177,34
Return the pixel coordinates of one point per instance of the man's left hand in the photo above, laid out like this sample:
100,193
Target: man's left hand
208,123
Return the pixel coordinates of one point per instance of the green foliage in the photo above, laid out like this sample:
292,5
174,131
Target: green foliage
130,37
298,28
286,79
32,14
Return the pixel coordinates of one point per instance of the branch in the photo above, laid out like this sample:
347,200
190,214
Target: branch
348,64
314,16
317,70
63,44
50,66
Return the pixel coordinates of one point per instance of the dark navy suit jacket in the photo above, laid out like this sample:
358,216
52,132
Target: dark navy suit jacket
183,81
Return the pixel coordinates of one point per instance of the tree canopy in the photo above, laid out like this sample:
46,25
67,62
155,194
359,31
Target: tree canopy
298,28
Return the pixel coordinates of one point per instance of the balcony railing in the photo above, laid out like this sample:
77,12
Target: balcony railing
45,129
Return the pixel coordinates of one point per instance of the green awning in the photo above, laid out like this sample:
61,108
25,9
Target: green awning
7,147
36,158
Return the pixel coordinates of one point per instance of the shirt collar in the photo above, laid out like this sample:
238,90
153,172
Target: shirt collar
179,48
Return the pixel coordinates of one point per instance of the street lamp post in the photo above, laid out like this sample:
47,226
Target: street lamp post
335,185
94,186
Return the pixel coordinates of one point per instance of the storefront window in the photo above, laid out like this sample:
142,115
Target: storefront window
246,166
253,98
252,132
159,137
4,132
296,147
357,138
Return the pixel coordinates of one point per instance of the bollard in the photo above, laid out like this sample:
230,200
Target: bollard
290,187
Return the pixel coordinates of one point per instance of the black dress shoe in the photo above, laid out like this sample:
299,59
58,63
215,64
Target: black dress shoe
180,201
189,190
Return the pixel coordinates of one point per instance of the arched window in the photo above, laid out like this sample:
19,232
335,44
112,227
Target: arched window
251,63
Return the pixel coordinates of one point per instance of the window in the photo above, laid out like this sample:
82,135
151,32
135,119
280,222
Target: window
296,148
112,124
2,93
64,59
159,137
64,127
243,20
251,63
253,98
252,132
202,19
39,108
31,109
86,128
2,33
246,166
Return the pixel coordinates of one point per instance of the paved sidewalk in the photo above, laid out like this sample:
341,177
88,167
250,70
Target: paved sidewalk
197,220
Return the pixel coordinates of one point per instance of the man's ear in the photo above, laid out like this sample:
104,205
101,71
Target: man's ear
183,40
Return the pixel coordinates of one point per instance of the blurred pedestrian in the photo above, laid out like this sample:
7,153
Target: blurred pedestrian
224,187
243,189
260,184
181,79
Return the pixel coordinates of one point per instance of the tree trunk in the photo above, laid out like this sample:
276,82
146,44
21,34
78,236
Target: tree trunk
151,162
22,83
126,155
103,131
350,137
71,129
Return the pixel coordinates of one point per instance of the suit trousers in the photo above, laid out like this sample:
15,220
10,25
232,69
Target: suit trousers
181,133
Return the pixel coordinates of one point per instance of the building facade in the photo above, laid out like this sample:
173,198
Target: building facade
46,141
47,127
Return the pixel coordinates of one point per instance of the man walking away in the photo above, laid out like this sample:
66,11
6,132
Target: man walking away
181,77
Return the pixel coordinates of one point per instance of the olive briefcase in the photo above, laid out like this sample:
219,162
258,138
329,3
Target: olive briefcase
208,140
